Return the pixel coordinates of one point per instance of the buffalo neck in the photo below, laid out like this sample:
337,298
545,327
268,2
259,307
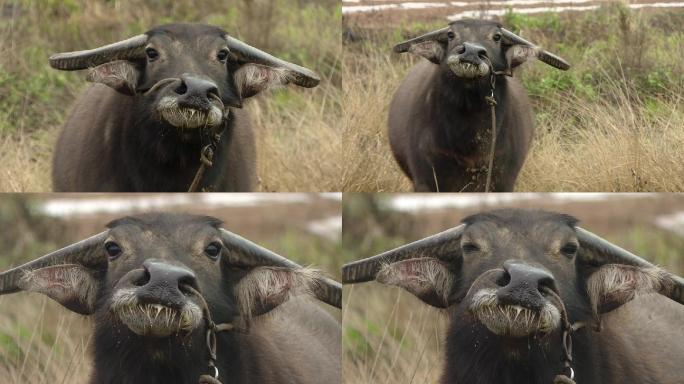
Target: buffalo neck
459,107
162,157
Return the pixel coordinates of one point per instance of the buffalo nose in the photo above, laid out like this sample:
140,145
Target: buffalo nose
165,284
523,284
196,93
472,53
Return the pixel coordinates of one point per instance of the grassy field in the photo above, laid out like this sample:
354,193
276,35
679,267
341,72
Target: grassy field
392,337
298,132
613,122
41,342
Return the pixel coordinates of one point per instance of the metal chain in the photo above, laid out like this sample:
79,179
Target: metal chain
566,339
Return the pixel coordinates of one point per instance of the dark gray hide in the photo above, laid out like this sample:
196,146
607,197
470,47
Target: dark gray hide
493,275
137,281
160,96
439,122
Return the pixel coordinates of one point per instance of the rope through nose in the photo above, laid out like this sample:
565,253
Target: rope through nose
212,329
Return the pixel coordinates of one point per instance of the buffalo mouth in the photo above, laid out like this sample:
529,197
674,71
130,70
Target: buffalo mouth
154,320
466,69
184,116
512,320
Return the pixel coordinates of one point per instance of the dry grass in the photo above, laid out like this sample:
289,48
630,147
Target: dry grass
612,123
298,132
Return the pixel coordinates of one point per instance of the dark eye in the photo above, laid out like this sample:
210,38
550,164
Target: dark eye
213,250
496,37
152,54
113,250
222,55
470,248
451,35
569,249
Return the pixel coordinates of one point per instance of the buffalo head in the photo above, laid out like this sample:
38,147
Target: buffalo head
143,275
503,272
188,74
469,48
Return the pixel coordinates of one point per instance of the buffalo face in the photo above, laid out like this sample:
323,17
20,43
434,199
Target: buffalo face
188,75
472,49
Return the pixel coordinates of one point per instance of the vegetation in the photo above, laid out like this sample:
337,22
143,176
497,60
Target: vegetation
613,122
298,129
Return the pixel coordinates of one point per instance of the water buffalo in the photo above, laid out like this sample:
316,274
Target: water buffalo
161,99
158,286
518,285
439,122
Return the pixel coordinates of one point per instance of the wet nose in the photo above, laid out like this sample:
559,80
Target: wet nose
196,93
162,283
471,53
523,284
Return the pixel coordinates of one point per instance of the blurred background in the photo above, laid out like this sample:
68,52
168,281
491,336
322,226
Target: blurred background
41,342
613,122
392,337
297,129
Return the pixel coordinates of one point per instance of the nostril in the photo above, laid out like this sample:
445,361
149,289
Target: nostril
460,49
504,280
545,283
182,89
143,280
482,55
187,281
212,92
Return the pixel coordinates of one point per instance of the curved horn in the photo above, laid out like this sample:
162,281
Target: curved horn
244,253
302,76
444,245
87,253
439,34
598,251
543,55
132,48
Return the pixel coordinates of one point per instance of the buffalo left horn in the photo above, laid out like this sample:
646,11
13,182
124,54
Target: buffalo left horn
443,246
598,251
246,53
244,253
543,55
438,35
88,253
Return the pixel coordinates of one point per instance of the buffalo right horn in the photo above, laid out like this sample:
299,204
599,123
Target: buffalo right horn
443,246
132,48
88,253
437,35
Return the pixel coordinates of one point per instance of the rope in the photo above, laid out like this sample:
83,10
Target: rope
491,101
207,153
212,329
567,328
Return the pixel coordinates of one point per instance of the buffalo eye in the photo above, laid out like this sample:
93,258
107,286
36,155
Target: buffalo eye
470,248
213,250
152,54
496,37
451,35
569,249
113,250
222,55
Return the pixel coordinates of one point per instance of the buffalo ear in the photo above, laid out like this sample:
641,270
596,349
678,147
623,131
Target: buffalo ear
518,54
264,288
426,278
431,49
120,75
613,285
251,78
71,285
